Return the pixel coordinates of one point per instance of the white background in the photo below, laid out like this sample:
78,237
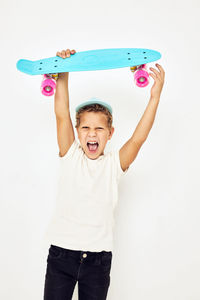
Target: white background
157,243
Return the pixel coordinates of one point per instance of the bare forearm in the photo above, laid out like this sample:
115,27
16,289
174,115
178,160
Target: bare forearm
146,122
61,103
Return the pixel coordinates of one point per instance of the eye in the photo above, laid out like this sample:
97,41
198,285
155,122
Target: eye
87,127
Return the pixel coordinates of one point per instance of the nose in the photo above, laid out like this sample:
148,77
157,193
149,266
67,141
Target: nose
92,133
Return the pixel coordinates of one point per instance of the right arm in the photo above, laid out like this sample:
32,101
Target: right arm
65,131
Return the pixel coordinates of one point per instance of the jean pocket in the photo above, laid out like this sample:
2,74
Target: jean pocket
106,259
55,252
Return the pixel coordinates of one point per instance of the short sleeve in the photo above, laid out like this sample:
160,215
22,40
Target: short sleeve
71,151
119,170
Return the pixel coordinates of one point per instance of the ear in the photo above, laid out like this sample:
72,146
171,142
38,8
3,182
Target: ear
111,133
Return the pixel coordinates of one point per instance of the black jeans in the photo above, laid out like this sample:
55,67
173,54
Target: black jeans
65,267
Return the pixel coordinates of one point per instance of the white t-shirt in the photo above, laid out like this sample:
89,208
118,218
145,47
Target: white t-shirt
86,198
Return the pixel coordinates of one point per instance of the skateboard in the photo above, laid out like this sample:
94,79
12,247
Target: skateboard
101,59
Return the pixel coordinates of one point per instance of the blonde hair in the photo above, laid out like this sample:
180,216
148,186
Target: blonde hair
94,108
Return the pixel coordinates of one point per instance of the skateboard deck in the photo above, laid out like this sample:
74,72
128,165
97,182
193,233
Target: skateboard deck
91,60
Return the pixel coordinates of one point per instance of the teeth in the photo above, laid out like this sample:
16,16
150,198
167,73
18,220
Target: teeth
92,142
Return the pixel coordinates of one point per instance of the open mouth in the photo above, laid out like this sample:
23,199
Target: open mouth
92,147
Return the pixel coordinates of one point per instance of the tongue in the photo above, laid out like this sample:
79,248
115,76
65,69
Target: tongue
92,147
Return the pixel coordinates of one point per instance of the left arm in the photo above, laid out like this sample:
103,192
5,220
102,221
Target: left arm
130,149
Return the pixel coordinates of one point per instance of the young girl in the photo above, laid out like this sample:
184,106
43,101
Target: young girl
81,229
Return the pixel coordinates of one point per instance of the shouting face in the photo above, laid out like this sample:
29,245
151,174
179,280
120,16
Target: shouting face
93,133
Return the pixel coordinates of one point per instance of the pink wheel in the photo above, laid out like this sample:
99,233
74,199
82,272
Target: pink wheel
48,86
141,78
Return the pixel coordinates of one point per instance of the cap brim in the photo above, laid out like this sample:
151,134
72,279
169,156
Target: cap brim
94,101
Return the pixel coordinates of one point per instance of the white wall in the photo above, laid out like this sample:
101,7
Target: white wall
157,242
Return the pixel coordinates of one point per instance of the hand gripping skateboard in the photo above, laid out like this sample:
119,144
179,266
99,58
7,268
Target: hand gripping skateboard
102,59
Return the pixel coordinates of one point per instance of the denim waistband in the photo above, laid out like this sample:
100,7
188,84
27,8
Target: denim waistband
79,253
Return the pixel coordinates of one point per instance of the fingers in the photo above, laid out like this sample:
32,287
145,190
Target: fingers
65,53
158,74
152,75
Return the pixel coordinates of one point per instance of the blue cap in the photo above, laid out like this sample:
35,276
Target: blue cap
94,101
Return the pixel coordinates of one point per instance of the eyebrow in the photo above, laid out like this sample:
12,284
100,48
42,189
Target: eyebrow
100,126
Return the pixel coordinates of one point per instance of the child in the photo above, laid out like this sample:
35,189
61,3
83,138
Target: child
81,229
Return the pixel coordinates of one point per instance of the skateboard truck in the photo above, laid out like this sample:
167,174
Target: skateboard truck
141,75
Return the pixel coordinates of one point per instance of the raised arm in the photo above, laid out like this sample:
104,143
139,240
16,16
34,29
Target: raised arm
65,130
130,149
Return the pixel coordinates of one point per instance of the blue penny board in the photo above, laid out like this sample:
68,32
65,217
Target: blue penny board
91,60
